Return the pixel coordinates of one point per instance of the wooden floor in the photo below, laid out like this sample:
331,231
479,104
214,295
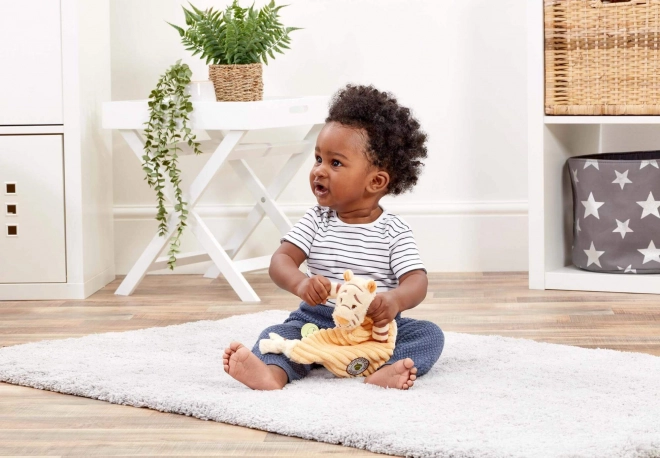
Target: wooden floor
41,423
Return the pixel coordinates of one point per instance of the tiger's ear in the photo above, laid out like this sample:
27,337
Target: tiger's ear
348,274
334,289
371,286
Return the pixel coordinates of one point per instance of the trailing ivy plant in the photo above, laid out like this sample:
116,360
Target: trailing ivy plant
169,106
237,36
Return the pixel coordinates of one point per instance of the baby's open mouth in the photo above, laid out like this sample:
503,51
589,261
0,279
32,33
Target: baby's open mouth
320,190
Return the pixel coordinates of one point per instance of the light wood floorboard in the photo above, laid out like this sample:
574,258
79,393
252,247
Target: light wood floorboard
42,423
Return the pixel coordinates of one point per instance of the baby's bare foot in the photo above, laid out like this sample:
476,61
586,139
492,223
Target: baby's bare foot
400,375
247,368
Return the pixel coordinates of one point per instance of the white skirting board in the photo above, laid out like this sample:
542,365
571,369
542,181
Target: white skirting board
451,236
55,291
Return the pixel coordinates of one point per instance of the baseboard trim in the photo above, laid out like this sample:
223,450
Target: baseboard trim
494,207
451,236
99,281
41,291
55,291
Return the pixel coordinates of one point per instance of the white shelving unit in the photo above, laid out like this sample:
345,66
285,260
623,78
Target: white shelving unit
551,141
56,218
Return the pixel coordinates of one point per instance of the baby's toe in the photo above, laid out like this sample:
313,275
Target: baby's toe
413,377
413,370
235,346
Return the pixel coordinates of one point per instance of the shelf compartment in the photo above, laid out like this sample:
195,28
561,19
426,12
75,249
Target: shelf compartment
32,246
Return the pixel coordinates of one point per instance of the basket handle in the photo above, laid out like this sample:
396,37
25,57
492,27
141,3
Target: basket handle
616,3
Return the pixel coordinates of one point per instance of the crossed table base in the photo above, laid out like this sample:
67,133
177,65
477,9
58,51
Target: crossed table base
229,150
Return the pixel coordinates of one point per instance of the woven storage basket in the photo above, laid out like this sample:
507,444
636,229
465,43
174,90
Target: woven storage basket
602,57
237,83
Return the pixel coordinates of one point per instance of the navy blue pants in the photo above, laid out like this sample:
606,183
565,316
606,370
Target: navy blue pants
420,340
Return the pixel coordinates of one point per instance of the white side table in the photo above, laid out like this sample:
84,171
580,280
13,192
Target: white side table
235,119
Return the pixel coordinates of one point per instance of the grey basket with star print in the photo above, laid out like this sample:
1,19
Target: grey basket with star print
616,212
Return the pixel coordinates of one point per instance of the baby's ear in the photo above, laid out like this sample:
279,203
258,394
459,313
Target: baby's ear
348,274
334,289
371,286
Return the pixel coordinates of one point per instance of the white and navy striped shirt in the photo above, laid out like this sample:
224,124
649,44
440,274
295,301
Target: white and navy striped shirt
383,250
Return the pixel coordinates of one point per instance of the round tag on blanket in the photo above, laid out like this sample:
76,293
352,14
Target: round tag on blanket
357,366
309,329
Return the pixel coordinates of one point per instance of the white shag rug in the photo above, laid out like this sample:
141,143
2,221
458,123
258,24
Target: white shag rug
487,396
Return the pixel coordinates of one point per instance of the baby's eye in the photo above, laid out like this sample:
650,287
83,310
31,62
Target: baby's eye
318,159
335,163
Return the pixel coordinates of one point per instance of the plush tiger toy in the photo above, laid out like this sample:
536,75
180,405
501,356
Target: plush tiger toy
355,347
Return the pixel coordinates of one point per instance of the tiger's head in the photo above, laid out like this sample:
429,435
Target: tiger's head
352,299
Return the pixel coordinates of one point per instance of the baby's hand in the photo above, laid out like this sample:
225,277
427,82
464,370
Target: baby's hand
383,309
314,290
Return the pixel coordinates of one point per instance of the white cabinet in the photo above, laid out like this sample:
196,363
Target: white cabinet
32,212
31,59
56,223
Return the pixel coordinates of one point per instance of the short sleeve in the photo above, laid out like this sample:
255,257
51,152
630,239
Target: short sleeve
404,255
303,232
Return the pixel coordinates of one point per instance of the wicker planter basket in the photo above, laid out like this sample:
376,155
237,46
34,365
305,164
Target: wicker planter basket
602,57
237,83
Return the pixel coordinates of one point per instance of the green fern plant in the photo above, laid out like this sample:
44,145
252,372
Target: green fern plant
169,106
235,36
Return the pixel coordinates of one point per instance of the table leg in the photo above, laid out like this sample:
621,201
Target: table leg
135,142
197,188
221,259
146,259
265,200
274,190
203,179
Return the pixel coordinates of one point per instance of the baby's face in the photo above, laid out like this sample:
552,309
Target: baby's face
341,171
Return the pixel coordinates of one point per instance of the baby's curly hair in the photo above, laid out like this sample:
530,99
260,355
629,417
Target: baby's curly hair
395,141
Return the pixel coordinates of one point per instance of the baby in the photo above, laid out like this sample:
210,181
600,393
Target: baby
369,147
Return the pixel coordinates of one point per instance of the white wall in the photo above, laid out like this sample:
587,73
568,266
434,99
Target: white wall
460,65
